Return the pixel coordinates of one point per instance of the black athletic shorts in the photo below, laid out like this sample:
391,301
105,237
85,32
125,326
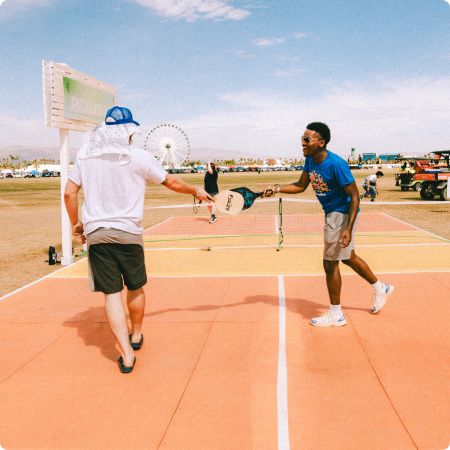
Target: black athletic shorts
111,262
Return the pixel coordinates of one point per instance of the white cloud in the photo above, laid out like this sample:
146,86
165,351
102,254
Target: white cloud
242,54
300,35
289,73
16,130
407,116
191,10
11,7
263,42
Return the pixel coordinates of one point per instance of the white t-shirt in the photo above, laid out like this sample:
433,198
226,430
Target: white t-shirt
372,179
114,194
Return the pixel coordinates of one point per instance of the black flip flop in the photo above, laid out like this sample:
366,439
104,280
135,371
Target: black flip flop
125,369
138,345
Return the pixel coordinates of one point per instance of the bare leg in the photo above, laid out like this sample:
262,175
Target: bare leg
361,268
117,320
334,281
136,307
212,208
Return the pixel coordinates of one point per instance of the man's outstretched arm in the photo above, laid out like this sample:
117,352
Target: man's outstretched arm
176,184
294,188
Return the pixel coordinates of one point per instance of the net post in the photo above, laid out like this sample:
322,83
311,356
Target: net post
280,232
67,257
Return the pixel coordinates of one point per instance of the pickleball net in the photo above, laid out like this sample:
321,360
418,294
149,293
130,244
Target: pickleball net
284,222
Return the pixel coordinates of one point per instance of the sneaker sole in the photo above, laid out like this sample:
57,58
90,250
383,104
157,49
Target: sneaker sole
391,290
330,324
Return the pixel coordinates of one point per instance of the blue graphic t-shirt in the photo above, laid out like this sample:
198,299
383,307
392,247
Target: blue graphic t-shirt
327,179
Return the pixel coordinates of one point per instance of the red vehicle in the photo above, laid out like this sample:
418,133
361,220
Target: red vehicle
434,177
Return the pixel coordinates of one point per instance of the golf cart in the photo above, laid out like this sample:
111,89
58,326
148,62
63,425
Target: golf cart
434,177
404,177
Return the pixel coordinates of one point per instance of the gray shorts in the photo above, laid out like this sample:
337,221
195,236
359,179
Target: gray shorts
335,224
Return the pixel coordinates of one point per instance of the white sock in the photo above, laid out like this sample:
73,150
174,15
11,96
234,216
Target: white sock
378,286
336,310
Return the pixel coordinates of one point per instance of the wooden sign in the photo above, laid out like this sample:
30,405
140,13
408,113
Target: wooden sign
73,100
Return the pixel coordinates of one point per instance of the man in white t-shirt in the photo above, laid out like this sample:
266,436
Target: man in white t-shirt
370,186
114,175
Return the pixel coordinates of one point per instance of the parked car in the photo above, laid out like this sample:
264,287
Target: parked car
50,173
35,174
17,175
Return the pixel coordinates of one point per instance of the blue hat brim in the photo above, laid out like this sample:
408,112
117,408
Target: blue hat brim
121,122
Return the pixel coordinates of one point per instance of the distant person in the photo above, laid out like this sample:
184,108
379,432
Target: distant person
114,175
370,186
335,188
211,187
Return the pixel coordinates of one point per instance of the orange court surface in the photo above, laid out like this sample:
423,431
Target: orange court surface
230,360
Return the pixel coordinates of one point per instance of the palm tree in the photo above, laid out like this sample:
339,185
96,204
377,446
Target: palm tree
13,158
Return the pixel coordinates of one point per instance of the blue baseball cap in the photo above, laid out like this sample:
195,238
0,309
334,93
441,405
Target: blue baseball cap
118,116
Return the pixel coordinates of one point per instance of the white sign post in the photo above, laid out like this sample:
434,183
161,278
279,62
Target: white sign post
78,102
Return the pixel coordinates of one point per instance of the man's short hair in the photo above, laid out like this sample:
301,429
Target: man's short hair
380,173
322,129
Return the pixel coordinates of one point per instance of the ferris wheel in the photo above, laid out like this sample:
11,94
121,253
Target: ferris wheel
169,144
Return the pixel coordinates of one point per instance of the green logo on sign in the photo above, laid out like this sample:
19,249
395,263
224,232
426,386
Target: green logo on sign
84,102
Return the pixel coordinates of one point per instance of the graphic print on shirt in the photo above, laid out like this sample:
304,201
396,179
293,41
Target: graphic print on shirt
319,186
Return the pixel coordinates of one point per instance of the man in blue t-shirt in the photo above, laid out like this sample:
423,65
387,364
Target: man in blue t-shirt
336,190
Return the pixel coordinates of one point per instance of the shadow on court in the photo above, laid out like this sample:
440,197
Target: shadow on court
92,327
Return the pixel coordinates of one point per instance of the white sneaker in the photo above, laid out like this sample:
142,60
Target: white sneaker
379,299
329,320
213,219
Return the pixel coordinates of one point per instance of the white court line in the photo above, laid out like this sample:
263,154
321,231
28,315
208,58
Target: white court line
160,223
249,275
292,274
40,279
417,228
282,400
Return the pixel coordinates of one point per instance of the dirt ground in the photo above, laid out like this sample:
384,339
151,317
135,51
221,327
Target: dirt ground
30,211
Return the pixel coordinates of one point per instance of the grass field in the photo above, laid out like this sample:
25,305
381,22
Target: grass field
31,215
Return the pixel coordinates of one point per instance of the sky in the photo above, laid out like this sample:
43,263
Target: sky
241,75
